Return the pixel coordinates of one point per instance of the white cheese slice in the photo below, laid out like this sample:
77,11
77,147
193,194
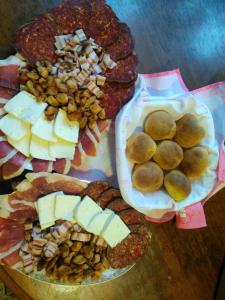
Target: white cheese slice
44,129
64,207
39,148
66,129
46,209
115,232
98,223
25,107
13,127
85,211
62,149
23,145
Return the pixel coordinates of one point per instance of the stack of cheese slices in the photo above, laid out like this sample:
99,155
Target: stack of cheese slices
28,131
86,212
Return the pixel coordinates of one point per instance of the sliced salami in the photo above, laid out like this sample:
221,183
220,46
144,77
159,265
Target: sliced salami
95,189
35,41
9,77
118,205
81,9
123,46
108,196
125,71
48,20
131,216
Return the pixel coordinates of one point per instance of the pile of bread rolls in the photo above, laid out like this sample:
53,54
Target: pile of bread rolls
167,154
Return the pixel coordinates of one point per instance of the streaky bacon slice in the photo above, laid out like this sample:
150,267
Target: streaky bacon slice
77,159
25,190
6,150
12,258
62,165
9,76
11,233
102,125
7,93
41,165
88,142
14,166
47,183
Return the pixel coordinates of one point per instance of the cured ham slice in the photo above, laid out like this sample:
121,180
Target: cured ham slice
7,93
6,150
48,183
9,76
14,166
62,165
41,165
77,159
88,142
25,190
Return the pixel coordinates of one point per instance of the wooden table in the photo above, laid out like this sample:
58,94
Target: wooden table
180,264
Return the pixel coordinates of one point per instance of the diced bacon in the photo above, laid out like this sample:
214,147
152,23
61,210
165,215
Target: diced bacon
9,76
62,165
97,69
14,166
84,64
50,249
6,152
7,93
100,80
77,159
25,190
37,246
108,61
11,259
82,237
81,35
93,58
94,88
28,263
82,76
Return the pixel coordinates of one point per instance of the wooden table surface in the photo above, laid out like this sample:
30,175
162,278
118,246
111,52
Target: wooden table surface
190,35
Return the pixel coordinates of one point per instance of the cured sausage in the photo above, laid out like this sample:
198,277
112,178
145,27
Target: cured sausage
108,196
118,205
95,189
132,216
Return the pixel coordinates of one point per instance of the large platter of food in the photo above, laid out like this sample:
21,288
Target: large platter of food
62,230
74,69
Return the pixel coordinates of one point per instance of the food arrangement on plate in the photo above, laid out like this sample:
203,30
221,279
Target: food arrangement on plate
67,229
74,69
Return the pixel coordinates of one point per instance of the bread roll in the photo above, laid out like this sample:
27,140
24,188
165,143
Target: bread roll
160,125
140,148
168,155
177,185
147,177
189,132
195,162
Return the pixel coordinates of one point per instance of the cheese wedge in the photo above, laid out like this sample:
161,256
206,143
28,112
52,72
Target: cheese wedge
85,211
115,232
62,149
100,221
39,148
64,207
65,129
25,107
23,145
13,127
46,209
44,129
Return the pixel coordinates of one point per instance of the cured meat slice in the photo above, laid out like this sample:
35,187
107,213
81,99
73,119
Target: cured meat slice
48,20
35,42
9,76
115,96
129,251
77,159
6,151
123,46
25,190
125,71
118,205
82,10
108,196
139,229
95,189
103,26
48,183
11,233
131,216
12,258
14,166
7,93
41,165
88,143
62,165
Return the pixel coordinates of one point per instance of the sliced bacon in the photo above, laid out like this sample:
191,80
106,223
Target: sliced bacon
77,159
12,259
14,166
9,76
88,142
6,150
7,93
25,190
11,233
48,183
102,125
41,165
62,165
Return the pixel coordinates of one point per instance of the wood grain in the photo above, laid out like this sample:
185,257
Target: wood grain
190,35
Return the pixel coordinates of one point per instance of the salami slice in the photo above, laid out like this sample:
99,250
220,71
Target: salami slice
131,216
48,20
14,166
108,196
125,71
62,165
115,96
118,205
7,93
35,41
9,77
81,9
123,46
95,189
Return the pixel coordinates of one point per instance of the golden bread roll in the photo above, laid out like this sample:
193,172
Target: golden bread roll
168,155
189,132
177,185
140,148
160,125
195,162
147,177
